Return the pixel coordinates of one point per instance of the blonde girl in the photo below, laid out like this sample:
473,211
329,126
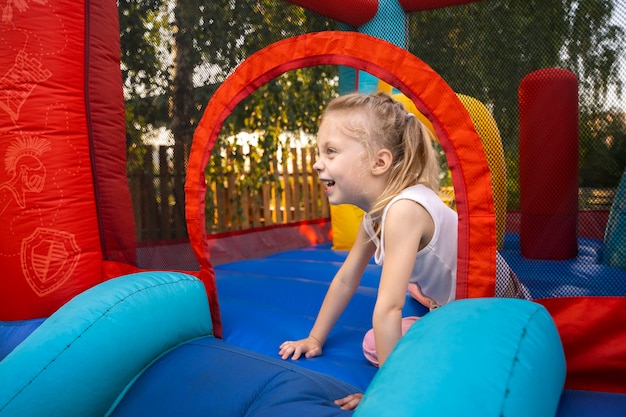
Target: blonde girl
377,156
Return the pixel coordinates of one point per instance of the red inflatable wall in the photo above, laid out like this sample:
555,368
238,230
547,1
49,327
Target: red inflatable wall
548,152
61,103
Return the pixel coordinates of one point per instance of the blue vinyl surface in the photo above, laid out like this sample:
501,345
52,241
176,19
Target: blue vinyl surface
584,275
266,301
208,377
283,304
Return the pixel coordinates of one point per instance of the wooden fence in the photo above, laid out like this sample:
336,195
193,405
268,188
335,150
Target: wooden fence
285,192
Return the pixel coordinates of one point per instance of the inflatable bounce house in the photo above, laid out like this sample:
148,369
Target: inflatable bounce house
85,332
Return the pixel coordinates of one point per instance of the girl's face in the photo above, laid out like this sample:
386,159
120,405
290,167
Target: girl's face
342,165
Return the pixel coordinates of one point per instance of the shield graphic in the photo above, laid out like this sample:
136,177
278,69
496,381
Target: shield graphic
48,259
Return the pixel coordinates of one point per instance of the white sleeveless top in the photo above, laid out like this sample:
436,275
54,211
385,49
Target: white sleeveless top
434,271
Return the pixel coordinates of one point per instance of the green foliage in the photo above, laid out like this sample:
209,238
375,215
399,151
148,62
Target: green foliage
168,44
143,39
280,114
484,50
602,149
175,54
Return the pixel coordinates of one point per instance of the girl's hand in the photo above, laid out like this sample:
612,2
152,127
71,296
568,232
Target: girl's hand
309,347
350,402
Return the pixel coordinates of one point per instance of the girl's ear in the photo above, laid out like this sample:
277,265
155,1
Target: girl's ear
382,162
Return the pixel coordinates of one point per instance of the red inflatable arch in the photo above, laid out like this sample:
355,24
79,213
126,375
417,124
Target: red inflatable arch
394,65
65,210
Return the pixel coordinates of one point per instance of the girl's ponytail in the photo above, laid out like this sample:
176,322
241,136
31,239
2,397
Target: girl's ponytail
417,141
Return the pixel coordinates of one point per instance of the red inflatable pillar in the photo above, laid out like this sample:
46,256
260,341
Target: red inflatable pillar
65,210
548,151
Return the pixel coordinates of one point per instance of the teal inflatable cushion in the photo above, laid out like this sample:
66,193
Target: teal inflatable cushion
84,357
473,357
615,234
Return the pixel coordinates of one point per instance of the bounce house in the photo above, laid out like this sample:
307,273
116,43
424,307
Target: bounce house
85,332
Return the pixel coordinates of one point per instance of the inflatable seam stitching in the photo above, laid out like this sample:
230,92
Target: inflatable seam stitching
260,392
515,362
143,369
286,368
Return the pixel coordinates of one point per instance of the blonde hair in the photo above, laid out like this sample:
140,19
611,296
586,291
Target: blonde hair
380,122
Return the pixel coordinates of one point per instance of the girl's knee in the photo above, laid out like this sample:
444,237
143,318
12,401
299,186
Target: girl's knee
369,342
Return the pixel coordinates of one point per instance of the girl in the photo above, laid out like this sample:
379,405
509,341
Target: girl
377,156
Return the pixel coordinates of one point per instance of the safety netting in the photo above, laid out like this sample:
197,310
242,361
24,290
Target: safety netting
541,82
549,76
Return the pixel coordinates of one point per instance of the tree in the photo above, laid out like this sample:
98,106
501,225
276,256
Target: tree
484,50
604,150
175,55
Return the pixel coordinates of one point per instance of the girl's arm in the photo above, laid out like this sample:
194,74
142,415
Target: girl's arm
340,291
408,228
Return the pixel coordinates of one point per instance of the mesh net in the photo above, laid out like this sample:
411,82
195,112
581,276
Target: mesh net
557,191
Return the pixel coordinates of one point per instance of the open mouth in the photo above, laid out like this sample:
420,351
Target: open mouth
328,184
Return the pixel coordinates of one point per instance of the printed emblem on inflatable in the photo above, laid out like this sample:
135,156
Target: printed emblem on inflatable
47,256
28,70
48,259
50,249
26,172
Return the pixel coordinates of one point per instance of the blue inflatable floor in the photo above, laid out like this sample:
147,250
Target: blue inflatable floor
584,275
208,377
269,300
266,301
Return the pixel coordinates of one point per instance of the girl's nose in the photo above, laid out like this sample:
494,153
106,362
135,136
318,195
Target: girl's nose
317,166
